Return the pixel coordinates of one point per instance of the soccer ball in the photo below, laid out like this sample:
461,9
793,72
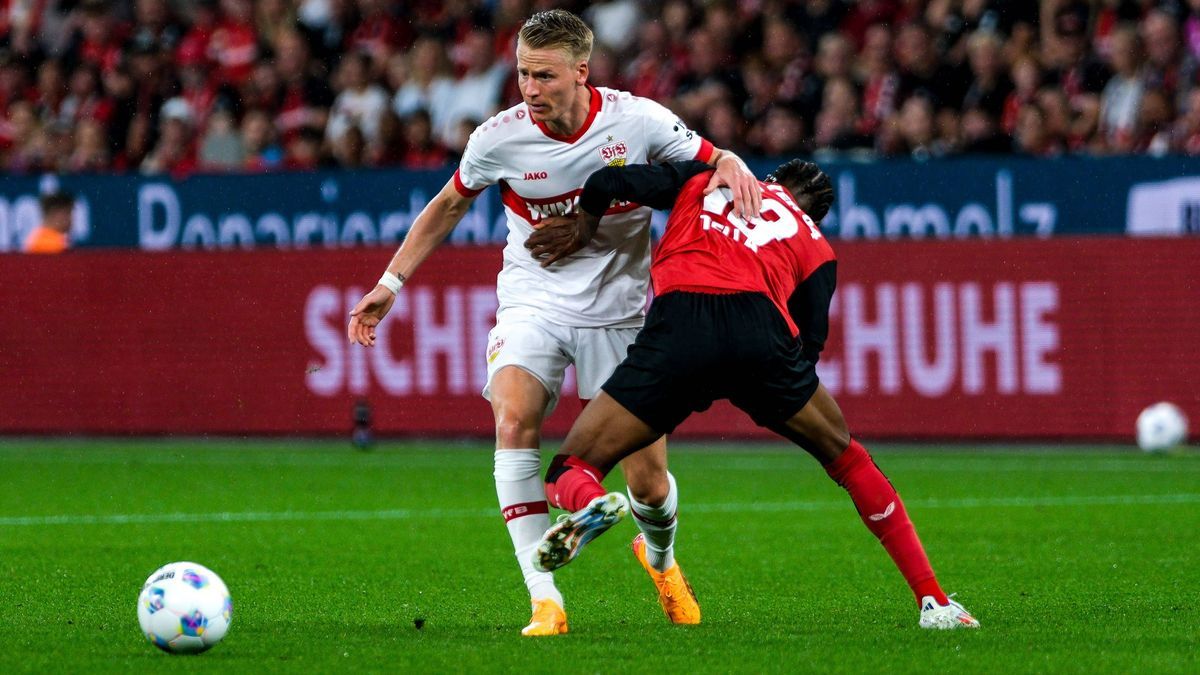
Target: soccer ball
184,608
1160,427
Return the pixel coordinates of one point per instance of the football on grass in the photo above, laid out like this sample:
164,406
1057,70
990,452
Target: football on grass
184,608
1160,427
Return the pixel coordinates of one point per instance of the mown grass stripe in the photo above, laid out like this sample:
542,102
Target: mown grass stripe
405,514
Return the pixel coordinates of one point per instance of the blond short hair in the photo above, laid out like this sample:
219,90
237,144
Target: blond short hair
557,29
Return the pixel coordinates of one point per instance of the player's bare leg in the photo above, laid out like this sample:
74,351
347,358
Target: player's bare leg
821,430
606,432
654,503
518,402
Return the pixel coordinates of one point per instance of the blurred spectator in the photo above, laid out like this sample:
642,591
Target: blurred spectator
421,150
783,52
350,148
881,83
603,70
1032,135
90,154
724,127
97,40
840,72
1026,76
942,84
155,26
360,104
1188,130
139,139
1075,67
222,149
429,85
981,133
378,32
304,150
270,18
85,100
1169,66
652,73
782,132
258,142
175,152
1155,136
990,87
26,139
1122,95
51,90
53,234
476,92
707,82
234,42
196,44
614,22
838,125
462,133
918,134
305,97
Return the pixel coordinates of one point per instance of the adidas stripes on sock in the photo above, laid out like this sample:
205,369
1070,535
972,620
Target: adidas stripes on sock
526,514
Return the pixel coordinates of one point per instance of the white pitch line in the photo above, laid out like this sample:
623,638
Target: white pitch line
405,514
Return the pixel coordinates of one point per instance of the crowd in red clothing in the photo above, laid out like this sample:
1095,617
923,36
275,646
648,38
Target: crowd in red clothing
239,85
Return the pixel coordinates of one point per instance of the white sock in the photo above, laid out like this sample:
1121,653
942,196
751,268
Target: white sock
523,504
658,523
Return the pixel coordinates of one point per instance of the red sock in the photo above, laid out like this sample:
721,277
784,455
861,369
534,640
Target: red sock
883,513
571,483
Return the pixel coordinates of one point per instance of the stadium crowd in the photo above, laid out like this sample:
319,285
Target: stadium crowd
234,85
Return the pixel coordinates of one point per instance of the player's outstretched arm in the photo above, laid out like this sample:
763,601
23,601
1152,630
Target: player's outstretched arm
733,173
430,228
655,186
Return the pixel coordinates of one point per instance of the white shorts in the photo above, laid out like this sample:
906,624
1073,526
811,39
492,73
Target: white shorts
544,350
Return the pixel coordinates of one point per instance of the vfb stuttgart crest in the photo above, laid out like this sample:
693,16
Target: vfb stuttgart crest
614,154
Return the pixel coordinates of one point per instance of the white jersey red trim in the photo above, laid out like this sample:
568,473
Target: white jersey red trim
541,174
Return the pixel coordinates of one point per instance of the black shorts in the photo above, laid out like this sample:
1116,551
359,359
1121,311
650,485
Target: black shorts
697,348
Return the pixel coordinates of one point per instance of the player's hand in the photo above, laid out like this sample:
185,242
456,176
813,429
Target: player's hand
733,173
557,237
367,314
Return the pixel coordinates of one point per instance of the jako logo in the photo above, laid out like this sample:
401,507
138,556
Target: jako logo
536,175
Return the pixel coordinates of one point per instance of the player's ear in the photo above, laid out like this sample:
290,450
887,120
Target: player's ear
581,72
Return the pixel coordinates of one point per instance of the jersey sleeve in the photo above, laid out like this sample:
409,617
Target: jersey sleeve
478,168
809,307
668,139
653,185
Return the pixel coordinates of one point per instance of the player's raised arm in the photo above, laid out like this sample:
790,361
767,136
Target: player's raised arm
430,228
655,186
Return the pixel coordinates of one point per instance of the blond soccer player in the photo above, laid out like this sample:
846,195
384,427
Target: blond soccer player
586,311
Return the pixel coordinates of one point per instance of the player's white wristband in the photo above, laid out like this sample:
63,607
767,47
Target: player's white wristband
392,282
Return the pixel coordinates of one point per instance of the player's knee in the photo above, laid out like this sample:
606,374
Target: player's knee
516,431
649,490
835,440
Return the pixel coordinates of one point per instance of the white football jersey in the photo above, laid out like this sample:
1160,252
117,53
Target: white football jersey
541,174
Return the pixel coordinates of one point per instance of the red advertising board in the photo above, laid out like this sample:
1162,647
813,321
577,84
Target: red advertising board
1018,339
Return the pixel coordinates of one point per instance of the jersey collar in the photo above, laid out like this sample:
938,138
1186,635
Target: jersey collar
594,108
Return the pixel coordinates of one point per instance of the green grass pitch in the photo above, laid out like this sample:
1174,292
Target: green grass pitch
1074,561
